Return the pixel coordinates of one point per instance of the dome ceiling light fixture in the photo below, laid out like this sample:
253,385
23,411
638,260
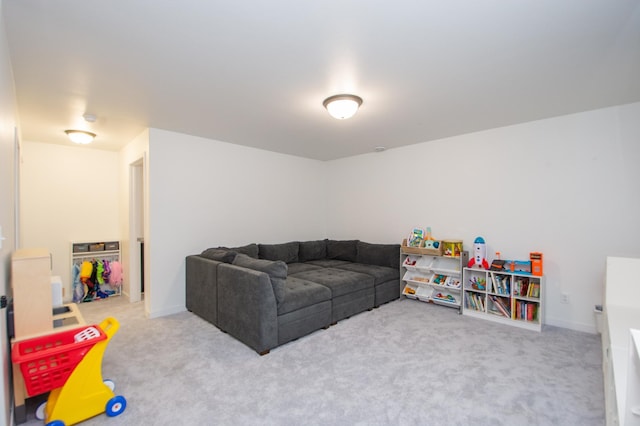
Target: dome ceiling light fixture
80,136
342,106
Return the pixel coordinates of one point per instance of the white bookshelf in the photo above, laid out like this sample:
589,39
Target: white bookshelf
511,298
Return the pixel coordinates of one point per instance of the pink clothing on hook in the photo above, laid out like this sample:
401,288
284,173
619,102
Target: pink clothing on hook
116,273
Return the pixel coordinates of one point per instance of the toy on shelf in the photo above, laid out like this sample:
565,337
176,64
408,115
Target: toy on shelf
432,244
521,266
479,254
410,261
478,283
420,241
445,297
536,263
497,264
452,248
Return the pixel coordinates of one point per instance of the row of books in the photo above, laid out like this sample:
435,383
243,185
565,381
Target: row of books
500,284
474,301
502,306
527,311
523,287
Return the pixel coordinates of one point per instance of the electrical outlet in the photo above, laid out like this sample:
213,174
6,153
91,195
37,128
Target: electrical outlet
565,298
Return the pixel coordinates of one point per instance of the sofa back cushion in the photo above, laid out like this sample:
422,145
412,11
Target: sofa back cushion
250,250
342,250
378,254
277,271
312,250
287,252
219,254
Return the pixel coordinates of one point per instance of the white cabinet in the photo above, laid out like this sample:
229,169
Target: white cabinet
31,284
509,297
621,315
432,278
632,415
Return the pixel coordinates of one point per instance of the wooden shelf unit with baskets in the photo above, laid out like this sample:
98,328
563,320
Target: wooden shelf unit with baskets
428,276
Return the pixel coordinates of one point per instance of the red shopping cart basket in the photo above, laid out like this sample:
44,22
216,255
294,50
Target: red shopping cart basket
46,362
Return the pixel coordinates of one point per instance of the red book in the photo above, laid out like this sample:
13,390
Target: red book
531,307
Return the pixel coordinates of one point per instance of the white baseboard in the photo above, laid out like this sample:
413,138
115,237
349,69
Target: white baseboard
164,312
586,328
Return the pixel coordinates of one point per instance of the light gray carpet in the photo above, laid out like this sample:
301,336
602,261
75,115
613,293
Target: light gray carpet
405,363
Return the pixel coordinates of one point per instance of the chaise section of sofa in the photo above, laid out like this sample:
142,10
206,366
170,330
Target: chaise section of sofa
266,295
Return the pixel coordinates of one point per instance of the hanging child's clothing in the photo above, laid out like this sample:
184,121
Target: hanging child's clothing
116,277
86,270
78,287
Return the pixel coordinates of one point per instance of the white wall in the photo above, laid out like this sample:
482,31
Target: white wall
567,186
8,122
134,152
68,193
204,193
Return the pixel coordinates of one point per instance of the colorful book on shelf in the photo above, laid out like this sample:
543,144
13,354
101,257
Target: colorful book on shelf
469,303
531,311
521,287
534,290
502,307
474,302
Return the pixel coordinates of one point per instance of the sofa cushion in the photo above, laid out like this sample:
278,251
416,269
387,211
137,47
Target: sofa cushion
294,268
327,263
380,274
342,250
340,281
219,254
378,254
312,250
250,250
301,293
287,252
277,271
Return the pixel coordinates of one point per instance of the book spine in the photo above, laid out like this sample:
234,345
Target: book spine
501,306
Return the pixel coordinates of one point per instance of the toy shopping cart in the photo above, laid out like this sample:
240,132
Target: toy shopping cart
69,365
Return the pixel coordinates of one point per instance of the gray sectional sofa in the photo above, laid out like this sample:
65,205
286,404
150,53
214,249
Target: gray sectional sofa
266,295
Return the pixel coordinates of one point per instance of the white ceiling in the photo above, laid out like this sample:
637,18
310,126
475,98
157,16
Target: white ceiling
256,72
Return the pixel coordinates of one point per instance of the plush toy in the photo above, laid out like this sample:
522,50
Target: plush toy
479,254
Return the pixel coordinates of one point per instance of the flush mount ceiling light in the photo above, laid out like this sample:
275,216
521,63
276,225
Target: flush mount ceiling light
342,106
80,136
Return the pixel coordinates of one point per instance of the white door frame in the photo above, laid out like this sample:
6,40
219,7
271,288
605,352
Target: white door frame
137,190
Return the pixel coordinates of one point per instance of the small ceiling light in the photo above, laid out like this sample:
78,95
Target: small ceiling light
342,106
80,136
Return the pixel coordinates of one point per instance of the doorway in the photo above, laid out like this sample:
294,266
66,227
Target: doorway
137,189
